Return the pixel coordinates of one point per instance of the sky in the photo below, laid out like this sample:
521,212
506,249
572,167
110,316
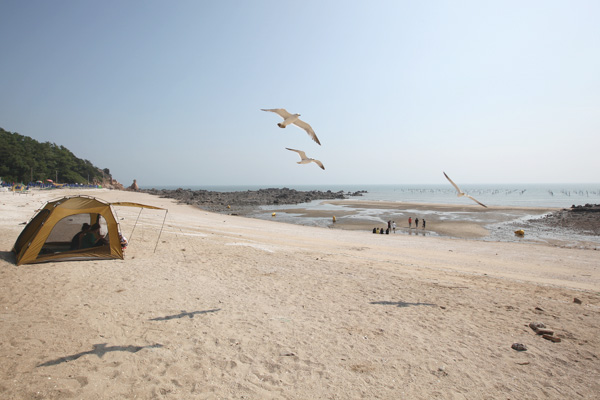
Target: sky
171,92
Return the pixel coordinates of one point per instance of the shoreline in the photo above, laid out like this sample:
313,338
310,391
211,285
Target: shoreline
495,223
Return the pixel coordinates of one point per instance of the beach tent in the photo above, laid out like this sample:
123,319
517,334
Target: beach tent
47,237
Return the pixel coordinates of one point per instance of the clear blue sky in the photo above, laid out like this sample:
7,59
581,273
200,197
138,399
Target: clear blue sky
170,92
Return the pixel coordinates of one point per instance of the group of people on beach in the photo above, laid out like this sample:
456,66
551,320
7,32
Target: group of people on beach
410,220
391,226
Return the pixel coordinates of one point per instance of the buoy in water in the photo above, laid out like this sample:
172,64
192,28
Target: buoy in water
520,232
272,215
334,218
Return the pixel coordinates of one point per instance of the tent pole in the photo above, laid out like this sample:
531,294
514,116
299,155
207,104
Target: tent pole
161,229
134,225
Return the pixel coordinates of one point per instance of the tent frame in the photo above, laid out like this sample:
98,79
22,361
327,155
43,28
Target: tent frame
33,238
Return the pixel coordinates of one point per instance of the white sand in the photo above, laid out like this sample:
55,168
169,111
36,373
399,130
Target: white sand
229,307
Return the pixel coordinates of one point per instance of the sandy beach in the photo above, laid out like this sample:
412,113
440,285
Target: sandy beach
229,307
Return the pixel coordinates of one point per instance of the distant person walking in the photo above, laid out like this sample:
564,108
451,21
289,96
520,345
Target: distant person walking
416,223
409,222
394,226
423,224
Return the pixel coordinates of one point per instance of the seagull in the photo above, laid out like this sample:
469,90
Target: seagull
293,119
306,160
461,193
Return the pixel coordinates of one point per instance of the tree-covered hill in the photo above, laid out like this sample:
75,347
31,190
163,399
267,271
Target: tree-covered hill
23,159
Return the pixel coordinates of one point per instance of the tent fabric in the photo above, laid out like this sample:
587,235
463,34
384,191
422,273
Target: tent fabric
129,204
42,240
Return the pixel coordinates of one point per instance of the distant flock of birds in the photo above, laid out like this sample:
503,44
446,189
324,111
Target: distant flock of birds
295,120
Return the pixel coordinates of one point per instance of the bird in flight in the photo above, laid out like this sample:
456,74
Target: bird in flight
293,119
461,193
306,160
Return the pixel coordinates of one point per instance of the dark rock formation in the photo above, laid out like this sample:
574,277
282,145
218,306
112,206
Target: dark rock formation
584,219
218,201
134,186
586,208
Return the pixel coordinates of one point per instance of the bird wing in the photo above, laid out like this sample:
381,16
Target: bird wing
308,130
302,154
319,163
476,201
453,184
281,111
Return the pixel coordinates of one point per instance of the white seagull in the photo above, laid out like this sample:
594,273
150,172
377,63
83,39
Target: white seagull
293,119
461,193
306,160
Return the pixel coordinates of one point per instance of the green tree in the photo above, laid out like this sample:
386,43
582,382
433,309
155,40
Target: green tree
23,159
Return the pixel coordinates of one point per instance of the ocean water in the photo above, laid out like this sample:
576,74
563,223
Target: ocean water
519,195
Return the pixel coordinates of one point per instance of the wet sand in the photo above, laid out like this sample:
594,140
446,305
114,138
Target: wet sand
460,221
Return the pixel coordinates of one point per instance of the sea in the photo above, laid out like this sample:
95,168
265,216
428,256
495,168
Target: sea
517,195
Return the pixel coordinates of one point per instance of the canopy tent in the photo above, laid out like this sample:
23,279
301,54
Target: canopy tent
48,235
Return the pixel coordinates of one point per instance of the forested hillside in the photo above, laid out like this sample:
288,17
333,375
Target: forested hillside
23,159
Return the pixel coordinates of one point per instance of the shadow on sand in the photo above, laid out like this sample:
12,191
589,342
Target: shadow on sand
401,303
184,314
100,350
8,256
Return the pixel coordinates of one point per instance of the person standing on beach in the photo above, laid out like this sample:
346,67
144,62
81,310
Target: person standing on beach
416,223
394,226
409,222
423,224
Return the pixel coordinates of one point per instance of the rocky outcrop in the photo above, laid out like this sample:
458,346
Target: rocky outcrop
134,186
218,201
110,183
584,219
586,208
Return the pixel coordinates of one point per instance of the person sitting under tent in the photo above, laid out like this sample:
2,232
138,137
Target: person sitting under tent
77,239
93,238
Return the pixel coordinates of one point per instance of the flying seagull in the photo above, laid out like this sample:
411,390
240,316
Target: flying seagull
293,119
461,193
306,160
